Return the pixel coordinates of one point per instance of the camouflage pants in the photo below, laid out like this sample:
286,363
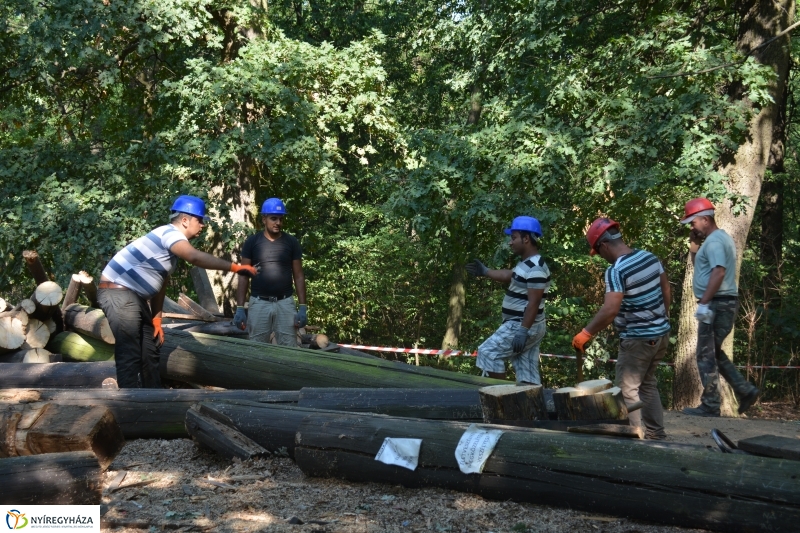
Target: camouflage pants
712,361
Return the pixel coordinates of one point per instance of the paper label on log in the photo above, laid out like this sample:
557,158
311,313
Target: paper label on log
47,518
475,447
400,452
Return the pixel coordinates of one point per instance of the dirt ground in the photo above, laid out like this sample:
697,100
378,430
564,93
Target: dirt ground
173,485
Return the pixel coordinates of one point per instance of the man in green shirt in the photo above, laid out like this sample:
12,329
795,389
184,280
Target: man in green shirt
713,254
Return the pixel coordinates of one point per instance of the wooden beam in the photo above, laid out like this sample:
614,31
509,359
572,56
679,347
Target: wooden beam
211,429
195,308
71,478
205,292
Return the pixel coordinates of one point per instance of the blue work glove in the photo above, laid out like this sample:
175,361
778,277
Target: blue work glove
704,314
476,268
300,318
240,318
520,340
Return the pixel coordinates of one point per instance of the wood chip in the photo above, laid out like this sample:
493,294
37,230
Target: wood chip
141,483
216,483
115,483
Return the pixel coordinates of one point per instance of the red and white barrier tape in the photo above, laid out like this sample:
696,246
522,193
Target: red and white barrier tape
454,353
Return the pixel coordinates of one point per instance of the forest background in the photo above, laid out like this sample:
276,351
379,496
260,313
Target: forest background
404,135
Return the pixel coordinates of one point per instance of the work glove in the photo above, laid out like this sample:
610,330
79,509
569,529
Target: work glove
158,331
240,318
300,318
520,339
704,314
476,268
580,340
244,270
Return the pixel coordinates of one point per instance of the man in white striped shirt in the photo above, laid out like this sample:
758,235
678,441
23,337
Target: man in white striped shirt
523,328
138,273
636,301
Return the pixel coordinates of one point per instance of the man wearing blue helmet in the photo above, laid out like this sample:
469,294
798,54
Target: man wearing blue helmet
523,328
280,264
138,273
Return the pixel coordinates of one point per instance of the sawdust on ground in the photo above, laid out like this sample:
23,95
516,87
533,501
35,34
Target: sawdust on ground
174,485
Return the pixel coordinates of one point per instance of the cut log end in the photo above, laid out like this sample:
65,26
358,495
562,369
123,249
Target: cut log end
48,294
512,402
12,333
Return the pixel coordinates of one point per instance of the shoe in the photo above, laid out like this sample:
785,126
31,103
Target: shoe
699,411
747,401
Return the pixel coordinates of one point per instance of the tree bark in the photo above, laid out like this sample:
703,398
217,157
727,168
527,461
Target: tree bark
16,375
211,429
88,321
744,170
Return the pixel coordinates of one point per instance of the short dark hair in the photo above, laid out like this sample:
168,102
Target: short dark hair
529,234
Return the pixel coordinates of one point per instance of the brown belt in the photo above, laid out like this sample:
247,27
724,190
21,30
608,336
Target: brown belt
109,285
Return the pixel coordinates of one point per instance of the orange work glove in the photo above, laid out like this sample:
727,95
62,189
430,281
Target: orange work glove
580,340
158,331
244,270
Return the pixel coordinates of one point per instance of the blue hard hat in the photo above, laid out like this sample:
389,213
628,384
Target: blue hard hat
273,206
525,224
191,205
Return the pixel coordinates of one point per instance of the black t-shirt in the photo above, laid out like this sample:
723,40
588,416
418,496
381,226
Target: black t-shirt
275,260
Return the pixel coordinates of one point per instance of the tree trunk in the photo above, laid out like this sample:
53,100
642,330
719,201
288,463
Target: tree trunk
621,477
71,478
455,308
88,321
16,375
760,21
34,266
686,387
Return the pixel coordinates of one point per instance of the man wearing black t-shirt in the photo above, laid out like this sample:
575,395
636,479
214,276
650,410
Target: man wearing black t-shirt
279,260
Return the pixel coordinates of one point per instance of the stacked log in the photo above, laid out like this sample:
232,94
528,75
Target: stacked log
70,478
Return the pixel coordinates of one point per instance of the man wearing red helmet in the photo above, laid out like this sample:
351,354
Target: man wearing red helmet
637,302
280,270
139,272
713,254
519,336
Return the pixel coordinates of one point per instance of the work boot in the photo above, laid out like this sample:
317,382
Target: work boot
699,411
747,401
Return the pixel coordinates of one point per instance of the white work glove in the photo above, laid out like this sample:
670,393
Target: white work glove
704,314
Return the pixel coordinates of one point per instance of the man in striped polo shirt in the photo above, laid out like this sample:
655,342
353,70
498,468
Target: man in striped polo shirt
138,273
519,336
637,301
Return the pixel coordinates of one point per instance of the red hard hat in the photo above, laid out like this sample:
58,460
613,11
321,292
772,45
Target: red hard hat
596,230
695,208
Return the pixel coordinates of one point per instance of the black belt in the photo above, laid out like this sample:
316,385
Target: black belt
272,298
725,298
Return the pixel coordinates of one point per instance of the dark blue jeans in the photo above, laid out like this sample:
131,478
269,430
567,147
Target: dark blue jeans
135,350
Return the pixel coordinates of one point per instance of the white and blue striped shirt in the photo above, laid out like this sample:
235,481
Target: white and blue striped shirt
532,273
144,264
642,314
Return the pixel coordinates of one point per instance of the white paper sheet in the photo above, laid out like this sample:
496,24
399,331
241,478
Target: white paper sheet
475,447
400,452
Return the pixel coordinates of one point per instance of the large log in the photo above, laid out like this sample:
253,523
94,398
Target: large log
71,478
598,406
88,321
145,413
205,292
79,347
34,266
241,364
512,402
684,486
437,404
196,309
23,375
